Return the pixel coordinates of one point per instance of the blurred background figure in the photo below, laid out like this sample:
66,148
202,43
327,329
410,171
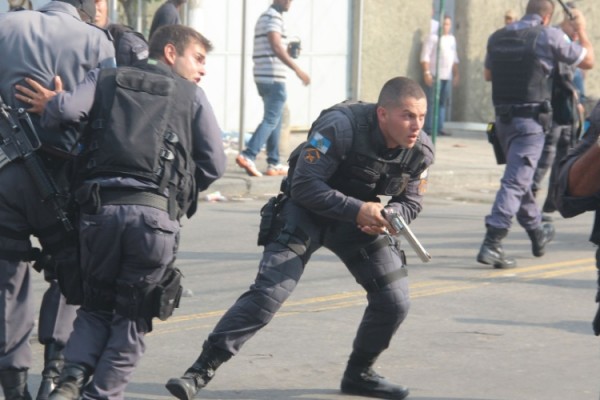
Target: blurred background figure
167,14
510,16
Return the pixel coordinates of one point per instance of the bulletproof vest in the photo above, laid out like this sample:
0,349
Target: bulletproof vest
364,173
517,74
140,127
131,47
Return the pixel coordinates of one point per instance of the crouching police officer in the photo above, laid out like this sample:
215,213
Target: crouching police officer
579,188
151,142
520,60
56,39
355,153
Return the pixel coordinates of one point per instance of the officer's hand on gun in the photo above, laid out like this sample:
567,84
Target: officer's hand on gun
370,220
39,96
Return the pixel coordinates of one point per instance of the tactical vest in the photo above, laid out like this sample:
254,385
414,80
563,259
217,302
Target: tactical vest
363,173
518,76
140,127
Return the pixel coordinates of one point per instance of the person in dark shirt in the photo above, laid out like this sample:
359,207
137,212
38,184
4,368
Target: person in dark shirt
167,14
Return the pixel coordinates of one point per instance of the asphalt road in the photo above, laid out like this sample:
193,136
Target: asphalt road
472,333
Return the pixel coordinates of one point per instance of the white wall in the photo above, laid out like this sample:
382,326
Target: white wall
323,27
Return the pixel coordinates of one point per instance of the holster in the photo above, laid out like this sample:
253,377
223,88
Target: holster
269,220
493,139
151,301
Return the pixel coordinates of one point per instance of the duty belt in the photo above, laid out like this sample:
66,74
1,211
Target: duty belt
129,197
519,111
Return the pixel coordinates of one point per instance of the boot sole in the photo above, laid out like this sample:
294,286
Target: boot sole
495,264
354,391
178,390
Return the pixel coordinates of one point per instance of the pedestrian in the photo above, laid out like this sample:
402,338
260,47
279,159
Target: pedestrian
578,188
567,119
448,73
166,14
271,57
131,47
151,143
521,93
355,153
510,16
71,48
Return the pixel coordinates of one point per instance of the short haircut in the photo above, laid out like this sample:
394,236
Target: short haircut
540,7
397,89
179,36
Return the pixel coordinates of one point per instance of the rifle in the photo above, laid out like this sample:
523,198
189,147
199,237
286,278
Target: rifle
567,9
400,226
19,141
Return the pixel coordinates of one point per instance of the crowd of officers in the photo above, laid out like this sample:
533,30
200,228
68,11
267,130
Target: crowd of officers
111,153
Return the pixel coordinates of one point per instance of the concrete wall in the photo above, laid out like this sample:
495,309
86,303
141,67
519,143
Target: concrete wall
474,21
392,32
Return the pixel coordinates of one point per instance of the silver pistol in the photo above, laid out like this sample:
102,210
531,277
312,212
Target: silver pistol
400,226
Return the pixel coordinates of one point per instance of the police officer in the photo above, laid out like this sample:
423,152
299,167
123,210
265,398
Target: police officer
131,47
519,62
567,120
355,153
579,188
54,40
131,200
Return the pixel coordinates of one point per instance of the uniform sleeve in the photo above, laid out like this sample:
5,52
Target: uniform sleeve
73,106
208,151
570,206
330,140
564,49
410,202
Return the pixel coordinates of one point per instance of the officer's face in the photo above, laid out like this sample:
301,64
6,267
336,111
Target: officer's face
402,124
191,64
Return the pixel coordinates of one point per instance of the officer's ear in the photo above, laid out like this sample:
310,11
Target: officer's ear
170,54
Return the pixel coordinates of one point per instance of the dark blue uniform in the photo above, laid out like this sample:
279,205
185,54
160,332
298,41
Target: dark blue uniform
39,44
523,138
127,244
570,206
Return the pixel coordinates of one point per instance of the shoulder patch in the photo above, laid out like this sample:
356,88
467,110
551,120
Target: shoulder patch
320,142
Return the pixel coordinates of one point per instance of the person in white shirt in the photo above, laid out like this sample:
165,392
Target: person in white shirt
448,71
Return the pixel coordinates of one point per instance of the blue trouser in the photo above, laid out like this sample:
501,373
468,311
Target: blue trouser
120,246
22,210
429,92
280,270
269,129
522,140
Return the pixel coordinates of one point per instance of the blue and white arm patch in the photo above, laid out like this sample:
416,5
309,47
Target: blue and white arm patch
320,142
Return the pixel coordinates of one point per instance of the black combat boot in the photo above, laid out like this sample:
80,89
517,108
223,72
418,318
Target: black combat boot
491,251
70,384
14,384
53,365
540,237
199,374
360,379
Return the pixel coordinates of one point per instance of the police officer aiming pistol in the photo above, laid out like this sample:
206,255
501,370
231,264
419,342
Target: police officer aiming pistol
355,153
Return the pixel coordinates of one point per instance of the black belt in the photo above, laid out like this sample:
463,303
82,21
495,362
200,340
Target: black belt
128,197
519,111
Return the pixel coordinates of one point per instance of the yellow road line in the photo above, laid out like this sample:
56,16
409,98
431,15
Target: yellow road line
418,289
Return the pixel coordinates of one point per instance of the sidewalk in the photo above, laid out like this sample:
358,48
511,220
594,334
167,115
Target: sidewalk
464,170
